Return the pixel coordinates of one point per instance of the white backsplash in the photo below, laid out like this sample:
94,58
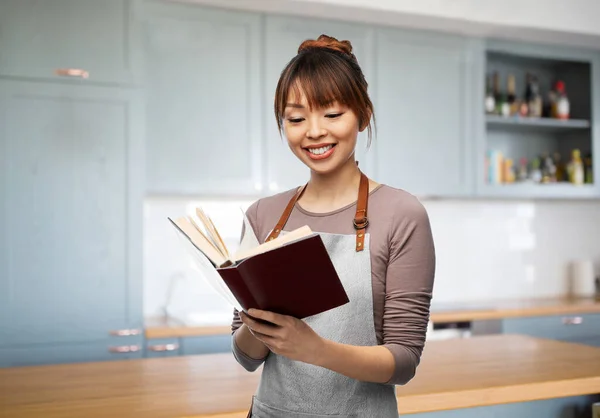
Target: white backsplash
485,250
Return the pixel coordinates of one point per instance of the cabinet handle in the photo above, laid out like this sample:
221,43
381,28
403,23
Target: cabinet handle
163,347
72,72
576,320
126,332
124,349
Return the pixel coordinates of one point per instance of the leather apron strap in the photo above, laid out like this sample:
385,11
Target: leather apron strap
360,218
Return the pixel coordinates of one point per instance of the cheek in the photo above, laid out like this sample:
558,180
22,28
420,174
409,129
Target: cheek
293,135
345,132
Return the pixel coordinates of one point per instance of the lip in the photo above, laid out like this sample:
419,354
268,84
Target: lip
321,156
313,146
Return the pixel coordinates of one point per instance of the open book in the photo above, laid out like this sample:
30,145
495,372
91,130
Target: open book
291,275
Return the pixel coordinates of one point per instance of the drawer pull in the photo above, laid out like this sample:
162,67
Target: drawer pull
126,332
576,320
163,347
72,72
124,349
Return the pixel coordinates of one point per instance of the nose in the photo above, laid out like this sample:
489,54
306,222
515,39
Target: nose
315,130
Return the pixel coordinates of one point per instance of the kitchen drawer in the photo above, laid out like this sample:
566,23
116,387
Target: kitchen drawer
560,327
206,345
593,341
163,347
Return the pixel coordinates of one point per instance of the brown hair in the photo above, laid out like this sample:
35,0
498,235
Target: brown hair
327,71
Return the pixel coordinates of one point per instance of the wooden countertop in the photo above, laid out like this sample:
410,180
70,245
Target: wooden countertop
515,308
453,374
456,312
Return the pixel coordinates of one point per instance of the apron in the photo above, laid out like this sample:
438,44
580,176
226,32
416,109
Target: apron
292,389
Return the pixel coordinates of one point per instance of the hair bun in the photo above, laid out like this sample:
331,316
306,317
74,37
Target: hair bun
328,42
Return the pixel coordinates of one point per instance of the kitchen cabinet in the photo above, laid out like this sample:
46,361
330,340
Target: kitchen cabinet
584,328
186,346
283,36
39,38
71,183
203,100
206,344
567,407
423,103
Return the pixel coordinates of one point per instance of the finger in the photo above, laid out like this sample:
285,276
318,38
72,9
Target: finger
272,317
265,339
260,327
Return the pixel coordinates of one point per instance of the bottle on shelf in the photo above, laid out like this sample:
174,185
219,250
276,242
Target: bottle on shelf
500,100
490,101
562,105
533,96
494,165
536,173
589,172
509,173
548,169
575,168
548,106
523,172
513,103
560,168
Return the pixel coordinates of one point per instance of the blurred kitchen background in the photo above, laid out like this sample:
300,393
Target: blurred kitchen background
115,114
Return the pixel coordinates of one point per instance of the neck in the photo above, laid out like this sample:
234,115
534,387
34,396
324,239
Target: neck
334,188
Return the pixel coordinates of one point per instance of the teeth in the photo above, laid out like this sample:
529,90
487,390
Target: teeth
319,151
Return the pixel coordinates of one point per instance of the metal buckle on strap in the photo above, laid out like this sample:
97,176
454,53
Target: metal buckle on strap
361,223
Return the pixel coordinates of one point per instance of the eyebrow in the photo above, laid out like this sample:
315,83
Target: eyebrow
294,105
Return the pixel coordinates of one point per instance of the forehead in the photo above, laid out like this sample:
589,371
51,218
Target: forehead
309,98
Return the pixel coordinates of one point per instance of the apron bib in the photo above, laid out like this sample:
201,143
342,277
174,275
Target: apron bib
292,389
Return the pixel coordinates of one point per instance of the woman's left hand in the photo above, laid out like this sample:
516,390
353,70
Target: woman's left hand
289,336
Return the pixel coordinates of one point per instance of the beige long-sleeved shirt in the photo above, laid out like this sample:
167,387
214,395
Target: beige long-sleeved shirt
402,266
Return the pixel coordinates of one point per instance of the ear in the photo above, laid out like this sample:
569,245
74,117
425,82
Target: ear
365,122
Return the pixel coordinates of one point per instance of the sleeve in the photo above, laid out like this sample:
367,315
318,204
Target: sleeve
247,362
409,286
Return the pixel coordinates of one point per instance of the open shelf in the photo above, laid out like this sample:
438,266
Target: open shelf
528,123
527,133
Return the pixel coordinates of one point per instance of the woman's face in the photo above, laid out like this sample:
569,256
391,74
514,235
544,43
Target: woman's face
323,139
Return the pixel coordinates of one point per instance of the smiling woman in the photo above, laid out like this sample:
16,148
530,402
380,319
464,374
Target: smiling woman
346,361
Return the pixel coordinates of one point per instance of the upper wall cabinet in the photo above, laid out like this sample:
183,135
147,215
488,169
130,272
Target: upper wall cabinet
282,39
62,39
203,100
423,102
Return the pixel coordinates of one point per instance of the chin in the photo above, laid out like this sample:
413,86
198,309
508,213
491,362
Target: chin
323,167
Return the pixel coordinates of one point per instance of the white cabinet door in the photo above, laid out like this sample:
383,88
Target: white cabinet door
283,37
422,106
37,38
203,100
70,222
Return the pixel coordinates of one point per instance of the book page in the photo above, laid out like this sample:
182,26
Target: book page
281,240
183,225
249,240
207,272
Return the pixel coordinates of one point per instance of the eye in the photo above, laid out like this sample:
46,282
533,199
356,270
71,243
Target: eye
295,120
334,115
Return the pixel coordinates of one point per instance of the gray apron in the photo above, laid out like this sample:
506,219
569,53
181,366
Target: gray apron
292,389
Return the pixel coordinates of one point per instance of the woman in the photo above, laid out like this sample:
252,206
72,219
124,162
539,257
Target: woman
346,361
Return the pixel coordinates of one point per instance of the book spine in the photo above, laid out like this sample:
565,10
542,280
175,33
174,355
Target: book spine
235,282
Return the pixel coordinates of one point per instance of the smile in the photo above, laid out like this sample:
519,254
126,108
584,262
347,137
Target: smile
320,153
